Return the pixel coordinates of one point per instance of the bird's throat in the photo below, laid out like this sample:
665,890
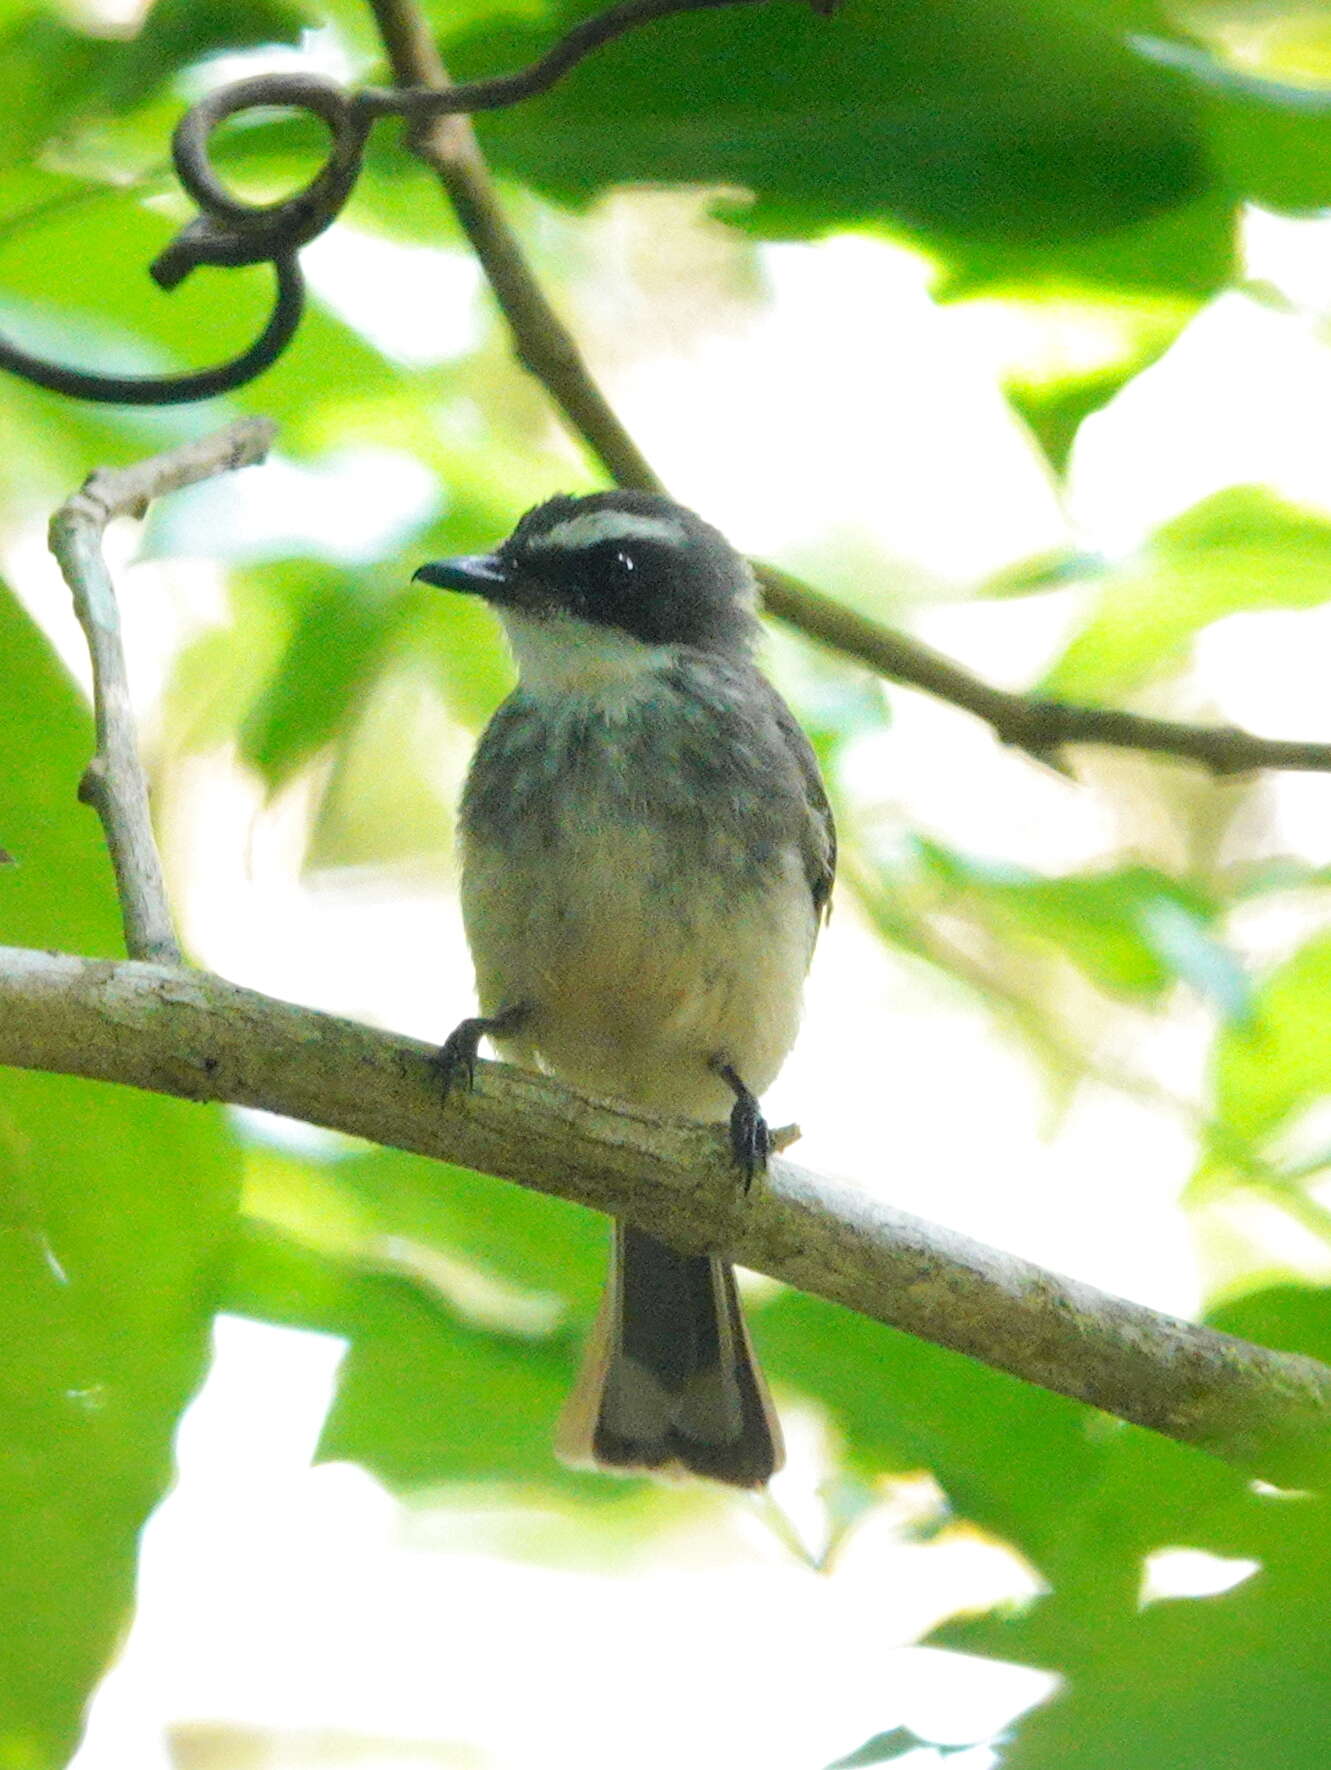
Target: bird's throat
559,656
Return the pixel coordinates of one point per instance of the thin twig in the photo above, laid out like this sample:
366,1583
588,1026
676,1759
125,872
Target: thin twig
114,783
1027,722
546,347
192,1034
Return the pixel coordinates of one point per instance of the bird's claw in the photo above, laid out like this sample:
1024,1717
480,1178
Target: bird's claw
750,1139
455,1060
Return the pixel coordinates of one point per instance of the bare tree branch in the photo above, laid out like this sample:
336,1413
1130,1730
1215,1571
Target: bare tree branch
546,347
1040,727
192,1034
114,783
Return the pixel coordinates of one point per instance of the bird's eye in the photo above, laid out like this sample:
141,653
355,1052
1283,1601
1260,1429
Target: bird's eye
617,572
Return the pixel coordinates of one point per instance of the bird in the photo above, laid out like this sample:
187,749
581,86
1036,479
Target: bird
647,854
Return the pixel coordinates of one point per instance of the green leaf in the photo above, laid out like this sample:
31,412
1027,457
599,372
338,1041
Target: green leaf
113,244
355,1206
1054,413
119,320
903,1405
464,1301
383,803
1132,929
424,1396
61,890
1280,1062
178,33
1146,1492
1287,1317
27,193
460,642
356,681
1178,1682
330,661
1020,129
222,675
1195,1684
1186,253
115,1208
1120,338
1238,550
55,77
47,72
1271,138
1096,922
522,1237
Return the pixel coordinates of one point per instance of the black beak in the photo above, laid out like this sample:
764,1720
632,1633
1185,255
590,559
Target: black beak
477,574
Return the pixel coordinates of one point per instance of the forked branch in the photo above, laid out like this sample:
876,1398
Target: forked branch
114,784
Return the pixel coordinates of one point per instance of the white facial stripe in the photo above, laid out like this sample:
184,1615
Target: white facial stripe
591,526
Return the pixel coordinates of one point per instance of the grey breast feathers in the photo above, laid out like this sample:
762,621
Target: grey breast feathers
649,885
709,755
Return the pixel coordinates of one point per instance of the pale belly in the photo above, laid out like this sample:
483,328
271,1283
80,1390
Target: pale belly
638,971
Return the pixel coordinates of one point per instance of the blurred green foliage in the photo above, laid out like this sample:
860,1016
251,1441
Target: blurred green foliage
1241,549
1083,151
117,1211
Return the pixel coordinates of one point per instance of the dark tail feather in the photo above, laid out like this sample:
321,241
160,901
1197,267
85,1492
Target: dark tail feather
669,1381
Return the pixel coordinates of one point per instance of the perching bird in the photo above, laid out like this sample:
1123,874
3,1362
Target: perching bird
647,854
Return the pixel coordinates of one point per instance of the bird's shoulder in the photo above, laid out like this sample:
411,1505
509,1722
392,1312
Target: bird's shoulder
762,726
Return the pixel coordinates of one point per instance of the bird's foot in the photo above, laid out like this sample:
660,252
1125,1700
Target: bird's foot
750,1139
455,1060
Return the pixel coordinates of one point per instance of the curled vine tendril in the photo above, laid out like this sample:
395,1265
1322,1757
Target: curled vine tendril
229,231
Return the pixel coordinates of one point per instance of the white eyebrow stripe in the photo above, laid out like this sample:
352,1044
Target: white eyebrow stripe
591,526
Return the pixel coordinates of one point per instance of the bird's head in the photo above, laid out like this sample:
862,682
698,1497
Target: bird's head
630,564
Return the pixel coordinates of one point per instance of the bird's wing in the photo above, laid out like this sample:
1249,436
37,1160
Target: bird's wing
818,838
